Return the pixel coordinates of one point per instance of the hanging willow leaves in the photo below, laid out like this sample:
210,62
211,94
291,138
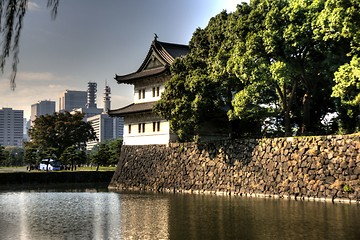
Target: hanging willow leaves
12,13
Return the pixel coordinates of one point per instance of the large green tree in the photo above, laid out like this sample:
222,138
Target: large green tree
200,89
281,49
60,131
12,14
338,24
271,61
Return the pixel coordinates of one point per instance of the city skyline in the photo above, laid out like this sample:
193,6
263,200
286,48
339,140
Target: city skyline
92,41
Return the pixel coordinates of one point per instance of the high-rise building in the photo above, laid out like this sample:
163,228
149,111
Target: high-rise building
71,99
11,127
90,109
105,127
42,108
91,95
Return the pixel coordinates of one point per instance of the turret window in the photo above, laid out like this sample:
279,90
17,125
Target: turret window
141,93
156,91
156,126
141,127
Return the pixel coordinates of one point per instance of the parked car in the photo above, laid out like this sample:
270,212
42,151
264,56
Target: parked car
49,165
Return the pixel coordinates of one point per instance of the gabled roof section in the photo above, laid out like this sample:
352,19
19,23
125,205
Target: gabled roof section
157,61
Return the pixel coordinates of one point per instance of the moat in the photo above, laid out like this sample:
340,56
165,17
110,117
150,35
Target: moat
99,214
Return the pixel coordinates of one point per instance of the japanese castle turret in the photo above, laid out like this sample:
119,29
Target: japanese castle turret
141,125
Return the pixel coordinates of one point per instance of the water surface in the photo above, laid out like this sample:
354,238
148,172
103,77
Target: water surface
108,215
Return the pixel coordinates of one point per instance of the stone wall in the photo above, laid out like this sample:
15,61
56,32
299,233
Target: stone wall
319,168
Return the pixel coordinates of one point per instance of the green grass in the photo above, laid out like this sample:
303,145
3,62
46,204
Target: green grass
101,168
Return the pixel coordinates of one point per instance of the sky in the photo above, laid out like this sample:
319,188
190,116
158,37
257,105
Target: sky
92,40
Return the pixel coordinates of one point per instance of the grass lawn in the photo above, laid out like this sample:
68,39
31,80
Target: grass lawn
101,168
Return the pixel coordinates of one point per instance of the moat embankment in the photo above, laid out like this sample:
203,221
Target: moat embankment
16,180
316,168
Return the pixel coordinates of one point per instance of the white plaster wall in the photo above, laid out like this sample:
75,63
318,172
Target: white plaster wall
148,94
147,137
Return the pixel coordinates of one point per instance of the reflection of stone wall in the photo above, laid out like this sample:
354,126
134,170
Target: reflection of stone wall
326,167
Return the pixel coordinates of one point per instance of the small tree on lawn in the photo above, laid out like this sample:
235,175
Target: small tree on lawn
72,155
2,156
30,157
102,156
115,150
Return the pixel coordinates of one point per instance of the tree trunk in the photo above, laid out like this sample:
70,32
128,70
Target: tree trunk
306,114
97,167
287,123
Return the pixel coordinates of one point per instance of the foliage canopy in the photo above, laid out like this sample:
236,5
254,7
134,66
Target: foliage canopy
273,68
61,131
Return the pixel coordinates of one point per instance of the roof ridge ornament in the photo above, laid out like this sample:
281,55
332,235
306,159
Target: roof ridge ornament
155,37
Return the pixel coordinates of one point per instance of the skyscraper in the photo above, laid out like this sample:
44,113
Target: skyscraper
105,127
11,127
42,108
72,99
91,95
90,109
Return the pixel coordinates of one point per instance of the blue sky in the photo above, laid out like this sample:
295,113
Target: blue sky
92,40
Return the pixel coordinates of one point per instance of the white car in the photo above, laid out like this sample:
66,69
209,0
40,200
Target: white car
49,165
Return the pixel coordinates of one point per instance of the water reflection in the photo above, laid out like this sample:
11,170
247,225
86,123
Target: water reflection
54,215
109,215
217,217
144,217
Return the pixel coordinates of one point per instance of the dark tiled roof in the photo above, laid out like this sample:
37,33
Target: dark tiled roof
167,51
175,50
136,75
132,108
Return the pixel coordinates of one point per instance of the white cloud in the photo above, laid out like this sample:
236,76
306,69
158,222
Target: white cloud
34,76
31,87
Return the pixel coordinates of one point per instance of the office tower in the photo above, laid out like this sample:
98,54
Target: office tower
42,108
105,127
107,97
91,95
71,99
11,127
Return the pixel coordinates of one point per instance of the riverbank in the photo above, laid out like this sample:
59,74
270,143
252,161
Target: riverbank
37,179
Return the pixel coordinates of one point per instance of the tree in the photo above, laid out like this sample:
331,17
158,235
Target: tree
343,27
72,155
31,156
60,131
115,150
102,156
281,49
11,156
12,14
199,86
2,156
271,64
